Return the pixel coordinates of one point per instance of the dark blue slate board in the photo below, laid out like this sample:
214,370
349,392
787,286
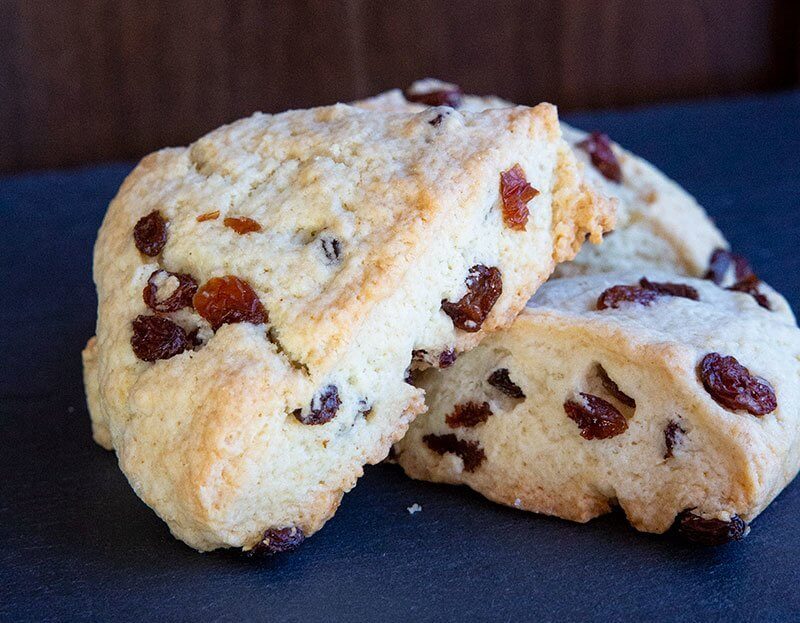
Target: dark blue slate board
76,544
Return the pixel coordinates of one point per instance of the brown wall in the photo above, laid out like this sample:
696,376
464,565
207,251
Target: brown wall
90,80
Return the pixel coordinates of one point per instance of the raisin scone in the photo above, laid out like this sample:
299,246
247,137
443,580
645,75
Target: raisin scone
261,293
659,225
668,396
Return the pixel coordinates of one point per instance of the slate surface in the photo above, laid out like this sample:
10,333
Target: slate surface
76,544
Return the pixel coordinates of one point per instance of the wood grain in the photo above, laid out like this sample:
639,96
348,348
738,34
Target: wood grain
90,80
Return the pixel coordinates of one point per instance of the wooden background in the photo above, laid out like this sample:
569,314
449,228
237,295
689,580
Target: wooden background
90,80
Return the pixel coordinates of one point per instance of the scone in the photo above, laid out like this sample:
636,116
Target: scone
671,397
659,225
261,293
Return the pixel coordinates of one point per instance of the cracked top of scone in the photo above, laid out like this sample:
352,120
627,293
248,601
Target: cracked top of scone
321,211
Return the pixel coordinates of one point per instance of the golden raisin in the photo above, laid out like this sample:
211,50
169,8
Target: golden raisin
516,192
225,300
241,224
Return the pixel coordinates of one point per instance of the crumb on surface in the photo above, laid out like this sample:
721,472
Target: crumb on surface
414,508
517,503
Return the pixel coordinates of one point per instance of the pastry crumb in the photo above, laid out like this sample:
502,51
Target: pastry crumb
414,508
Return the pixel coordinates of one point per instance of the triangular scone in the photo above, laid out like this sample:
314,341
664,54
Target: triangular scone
659,225
262,291
669,396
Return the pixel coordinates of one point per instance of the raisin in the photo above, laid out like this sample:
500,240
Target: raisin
443,97
644,294
241,224
150,234
225,300
598,146
180,298
500,379
278,541
720,265
208,216
673,433
484,287
732,386
670,289
194,338
156,338
614,296
749,285
447,358
437,120
468,415
613,389
323,409
701,531
470,452
596,418
516,192
332,249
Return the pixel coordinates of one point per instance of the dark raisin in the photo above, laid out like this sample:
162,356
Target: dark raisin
208,216
516,192
194,338
470,452
150,234
670,289
500,379
156,338
323,409
701,531
226,300
468,415
749,285
278,541
447,358
598,146
720,265
673,433
484,287
332,249
596,418
241,224
615,296
613,389
180,298
731,385
437,120
444,97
